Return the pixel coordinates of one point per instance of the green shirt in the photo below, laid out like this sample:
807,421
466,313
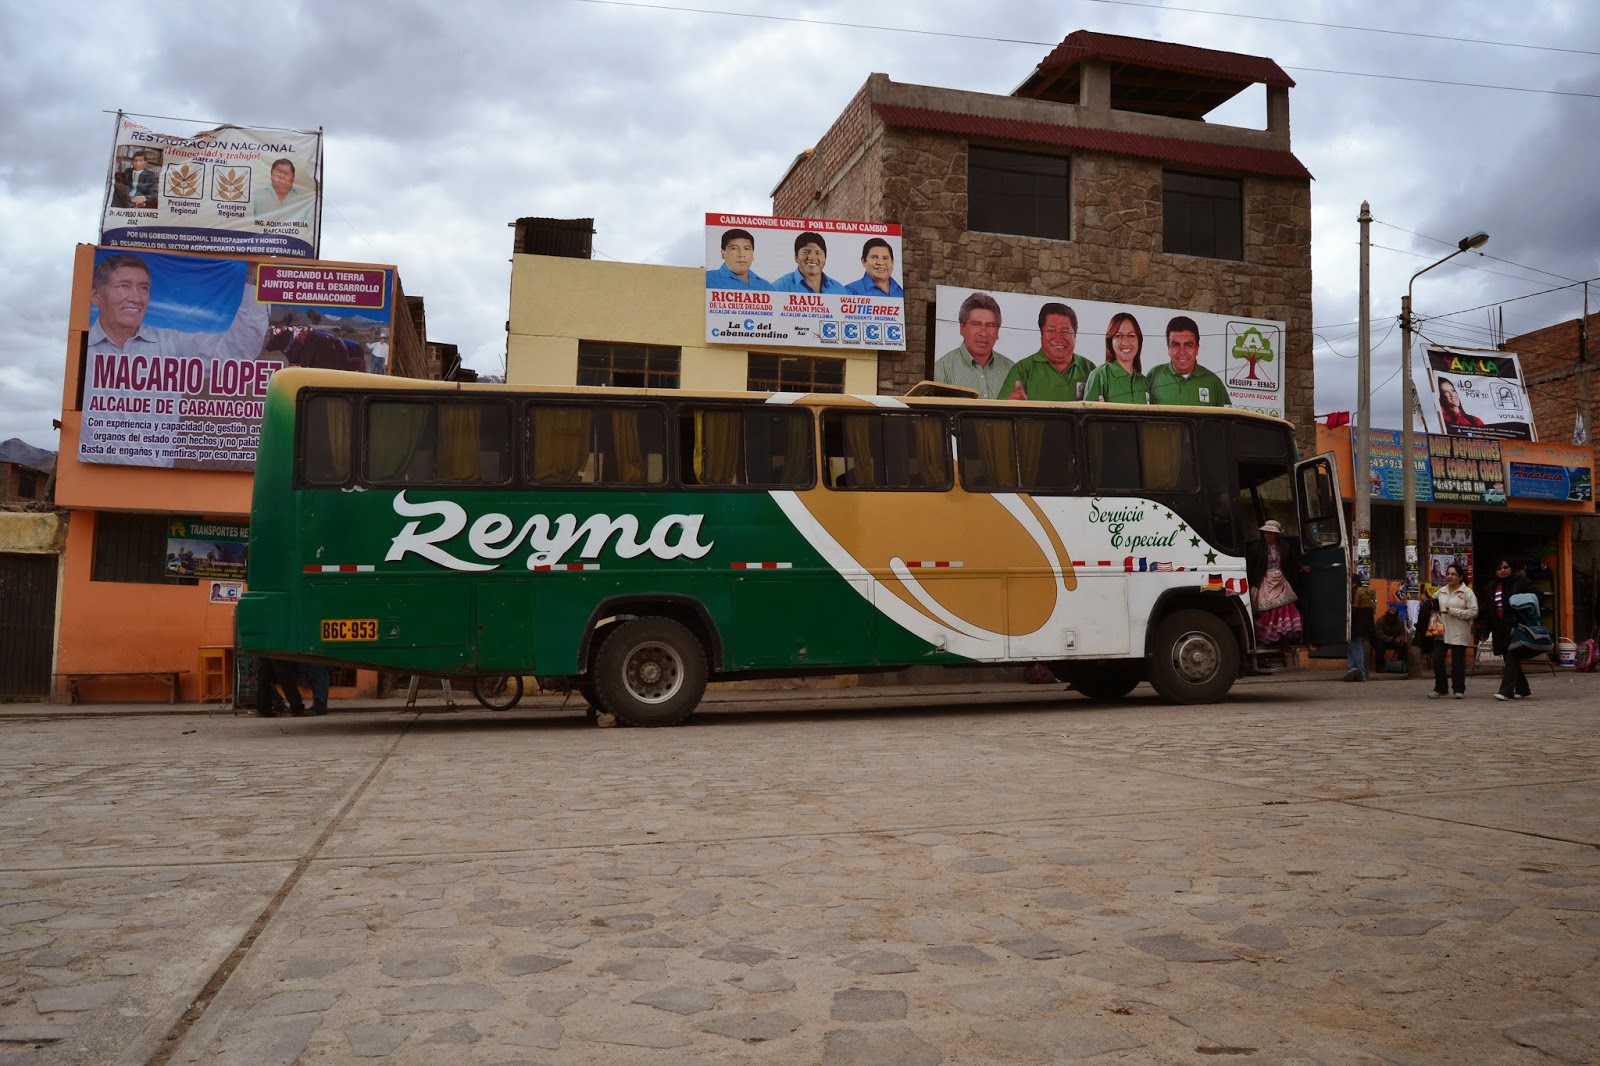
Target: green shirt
1201,388
1042,381
959,368
1112,384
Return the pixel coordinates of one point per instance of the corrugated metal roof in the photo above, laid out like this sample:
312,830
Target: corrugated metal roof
1082,45
1276,164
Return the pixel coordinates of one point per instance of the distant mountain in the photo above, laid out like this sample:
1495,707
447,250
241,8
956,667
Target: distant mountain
15,451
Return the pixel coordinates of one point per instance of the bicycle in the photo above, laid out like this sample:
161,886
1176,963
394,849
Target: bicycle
498,692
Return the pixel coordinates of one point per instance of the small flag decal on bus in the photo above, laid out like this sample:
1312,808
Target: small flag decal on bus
346,569
761,566
567,566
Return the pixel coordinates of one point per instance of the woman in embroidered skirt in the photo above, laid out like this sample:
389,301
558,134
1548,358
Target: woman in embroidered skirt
1270,562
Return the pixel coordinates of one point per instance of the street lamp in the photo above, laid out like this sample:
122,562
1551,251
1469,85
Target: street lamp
1408,393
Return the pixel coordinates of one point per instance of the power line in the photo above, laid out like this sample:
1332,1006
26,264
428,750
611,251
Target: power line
834,24
1486,255
1353,29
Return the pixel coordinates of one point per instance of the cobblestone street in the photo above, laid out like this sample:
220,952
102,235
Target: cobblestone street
1311,872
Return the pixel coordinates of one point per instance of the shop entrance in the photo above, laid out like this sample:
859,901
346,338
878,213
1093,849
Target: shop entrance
1529,539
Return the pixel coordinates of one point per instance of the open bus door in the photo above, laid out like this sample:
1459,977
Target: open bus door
1325,599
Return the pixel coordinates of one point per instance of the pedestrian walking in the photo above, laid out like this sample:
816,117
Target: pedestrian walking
1509,580
1455,609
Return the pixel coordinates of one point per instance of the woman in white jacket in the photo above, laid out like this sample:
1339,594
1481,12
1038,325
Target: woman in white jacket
1456,603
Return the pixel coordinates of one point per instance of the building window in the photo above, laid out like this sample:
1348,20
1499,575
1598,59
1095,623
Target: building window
133,548
1202,215
1017,192
628,366
27,484
794,373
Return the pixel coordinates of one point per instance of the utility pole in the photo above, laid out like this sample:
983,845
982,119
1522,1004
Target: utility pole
1362,472
1408,392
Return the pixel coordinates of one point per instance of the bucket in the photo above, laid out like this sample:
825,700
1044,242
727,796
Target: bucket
1568,652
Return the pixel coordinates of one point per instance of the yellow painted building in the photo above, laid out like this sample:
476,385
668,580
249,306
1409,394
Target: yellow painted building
588,322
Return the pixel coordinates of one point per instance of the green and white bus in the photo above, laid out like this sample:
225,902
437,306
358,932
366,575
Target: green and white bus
636,544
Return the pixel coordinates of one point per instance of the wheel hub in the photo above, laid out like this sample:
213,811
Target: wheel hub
1196,657
654,673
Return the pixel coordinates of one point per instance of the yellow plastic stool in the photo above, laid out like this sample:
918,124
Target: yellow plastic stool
216,682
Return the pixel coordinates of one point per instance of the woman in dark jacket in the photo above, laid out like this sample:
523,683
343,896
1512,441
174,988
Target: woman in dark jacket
1495,609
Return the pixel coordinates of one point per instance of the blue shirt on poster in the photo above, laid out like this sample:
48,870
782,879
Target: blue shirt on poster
868,287
794,281
723,278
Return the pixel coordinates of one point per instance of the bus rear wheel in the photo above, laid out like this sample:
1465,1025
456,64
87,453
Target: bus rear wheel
1102,681
1194,658
650,672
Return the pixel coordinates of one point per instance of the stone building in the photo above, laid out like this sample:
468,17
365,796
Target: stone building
1097,179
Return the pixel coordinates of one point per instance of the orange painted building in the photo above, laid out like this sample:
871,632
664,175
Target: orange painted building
121,611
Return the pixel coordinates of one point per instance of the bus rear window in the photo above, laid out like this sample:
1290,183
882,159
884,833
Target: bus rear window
426,442
1141,456
598,444
767,447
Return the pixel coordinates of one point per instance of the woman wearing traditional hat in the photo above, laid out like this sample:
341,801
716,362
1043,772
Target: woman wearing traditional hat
1271,564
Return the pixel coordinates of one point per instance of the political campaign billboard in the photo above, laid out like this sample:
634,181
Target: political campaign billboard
1106,351
803,283
180,349
1468,392
230,189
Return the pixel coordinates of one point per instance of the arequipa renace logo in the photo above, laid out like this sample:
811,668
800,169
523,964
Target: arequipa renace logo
495,537
1253,348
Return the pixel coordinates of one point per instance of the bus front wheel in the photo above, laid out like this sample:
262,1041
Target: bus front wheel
1194,658
650,672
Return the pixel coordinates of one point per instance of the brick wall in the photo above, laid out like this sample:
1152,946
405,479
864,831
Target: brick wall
1552,366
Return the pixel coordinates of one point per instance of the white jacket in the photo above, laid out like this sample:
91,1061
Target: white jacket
1460,609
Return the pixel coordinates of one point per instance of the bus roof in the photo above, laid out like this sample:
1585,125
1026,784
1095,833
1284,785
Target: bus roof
292,379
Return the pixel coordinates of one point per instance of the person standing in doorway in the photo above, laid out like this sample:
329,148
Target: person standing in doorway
1457,604
1509,580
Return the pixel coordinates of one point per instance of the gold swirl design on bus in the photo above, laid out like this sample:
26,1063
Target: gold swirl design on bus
884,531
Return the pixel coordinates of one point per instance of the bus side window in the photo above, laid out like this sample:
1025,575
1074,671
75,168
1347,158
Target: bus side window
1114,454
1047,454
474,443
402,442
915,456
988,452
560,444
710,454
852,447
630,445
779,447
325,440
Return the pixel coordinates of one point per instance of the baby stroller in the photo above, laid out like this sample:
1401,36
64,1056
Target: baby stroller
1528,638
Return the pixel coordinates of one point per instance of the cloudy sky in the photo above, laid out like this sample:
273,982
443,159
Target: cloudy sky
445,122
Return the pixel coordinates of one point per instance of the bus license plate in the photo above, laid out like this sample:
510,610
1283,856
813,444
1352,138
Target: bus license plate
336,629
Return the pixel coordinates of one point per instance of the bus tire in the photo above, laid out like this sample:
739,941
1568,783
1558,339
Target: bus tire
650,672
1102,681
1194,658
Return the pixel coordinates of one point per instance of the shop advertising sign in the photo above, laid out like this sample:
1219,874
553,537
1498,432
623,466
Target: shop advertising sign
181,347
1386,475
1466,470
1475,393
803,283
230,189
1549,471
204,549
1013,345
